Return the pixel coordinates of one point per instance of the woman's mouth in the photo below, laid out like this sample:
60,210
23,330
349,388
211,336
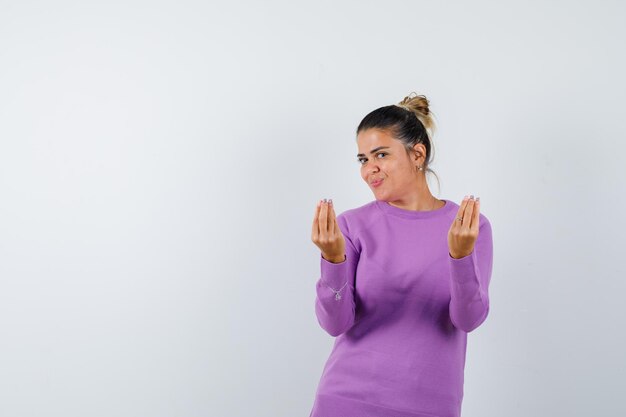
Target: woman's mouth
377,183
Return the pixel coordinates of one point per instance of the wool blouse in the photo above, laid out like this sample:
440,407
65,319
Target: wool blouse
400,308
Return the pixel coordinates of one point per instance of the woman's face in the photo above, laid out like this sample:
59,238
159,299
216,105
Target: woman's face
384,158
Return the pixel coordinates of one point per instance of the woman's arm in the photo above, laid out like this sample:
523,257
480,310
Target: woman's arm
470,277
335,301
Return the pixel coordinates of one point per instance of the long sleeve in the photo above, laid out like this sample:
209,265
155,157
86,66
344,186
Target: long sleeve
335,301
469,285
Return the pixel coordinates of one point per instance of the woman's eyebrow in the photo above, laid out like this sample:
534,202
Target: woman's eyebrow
374,150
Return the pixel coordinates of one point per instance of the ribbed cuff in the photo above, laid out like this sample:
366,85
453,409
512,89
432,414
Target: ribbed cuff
334,275
463,269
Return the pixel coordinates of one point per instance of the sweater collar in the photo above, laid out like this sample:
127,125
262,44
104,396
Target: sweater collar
415,214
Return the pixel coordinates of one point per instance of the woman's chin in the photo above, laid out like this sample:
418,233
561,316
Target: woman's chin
379,195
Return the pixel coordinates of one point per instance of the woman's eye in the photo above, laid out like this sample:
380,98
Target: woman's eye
361,160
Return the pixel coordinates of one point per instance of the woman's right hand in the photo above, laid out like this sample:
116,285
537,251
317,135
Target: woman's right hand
326,233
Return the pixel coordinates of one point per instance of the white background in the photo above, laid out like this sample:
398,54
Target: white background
160,163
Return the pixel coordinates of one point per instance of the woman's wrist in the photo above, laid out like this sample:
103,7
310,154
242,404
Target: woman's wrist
334,259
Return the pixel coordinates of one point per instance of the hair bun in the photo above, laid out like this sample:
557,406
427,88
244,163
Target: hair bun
419,104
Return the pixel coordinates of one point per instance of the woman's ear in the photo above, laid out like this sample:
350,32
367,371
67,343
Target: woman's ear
418,151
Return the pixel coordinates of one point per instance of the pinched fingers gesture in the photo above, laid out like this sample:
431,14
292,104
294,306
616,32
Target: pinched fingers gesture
326,233
464,229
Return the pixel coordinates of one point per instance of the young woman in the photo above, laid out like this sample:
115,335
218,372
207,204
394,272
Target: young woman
404,279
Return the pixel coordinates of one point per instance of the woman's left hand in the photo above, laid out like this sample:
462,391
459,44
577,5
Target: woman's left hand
463,234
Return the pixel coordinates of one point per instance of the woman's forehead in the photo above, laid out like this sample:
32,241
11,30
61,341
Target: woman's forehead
373,138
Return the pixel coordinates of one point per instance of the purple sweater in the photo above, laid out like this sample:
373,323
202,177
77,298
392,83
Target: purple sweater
400,307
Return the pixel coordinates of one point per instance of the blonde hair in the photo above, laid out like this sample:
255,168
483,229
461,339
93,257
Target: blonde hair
419,105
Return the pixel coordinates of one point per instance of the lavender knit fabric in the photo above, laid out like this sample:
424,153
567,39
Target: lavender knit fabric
401,322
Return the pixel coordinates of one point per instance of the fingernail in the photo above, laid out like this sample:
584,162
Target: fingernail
477,199
471,196
330,201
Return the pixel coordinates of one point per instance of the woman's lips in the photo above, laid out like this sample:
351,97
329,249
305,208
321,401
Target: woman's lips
377,183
